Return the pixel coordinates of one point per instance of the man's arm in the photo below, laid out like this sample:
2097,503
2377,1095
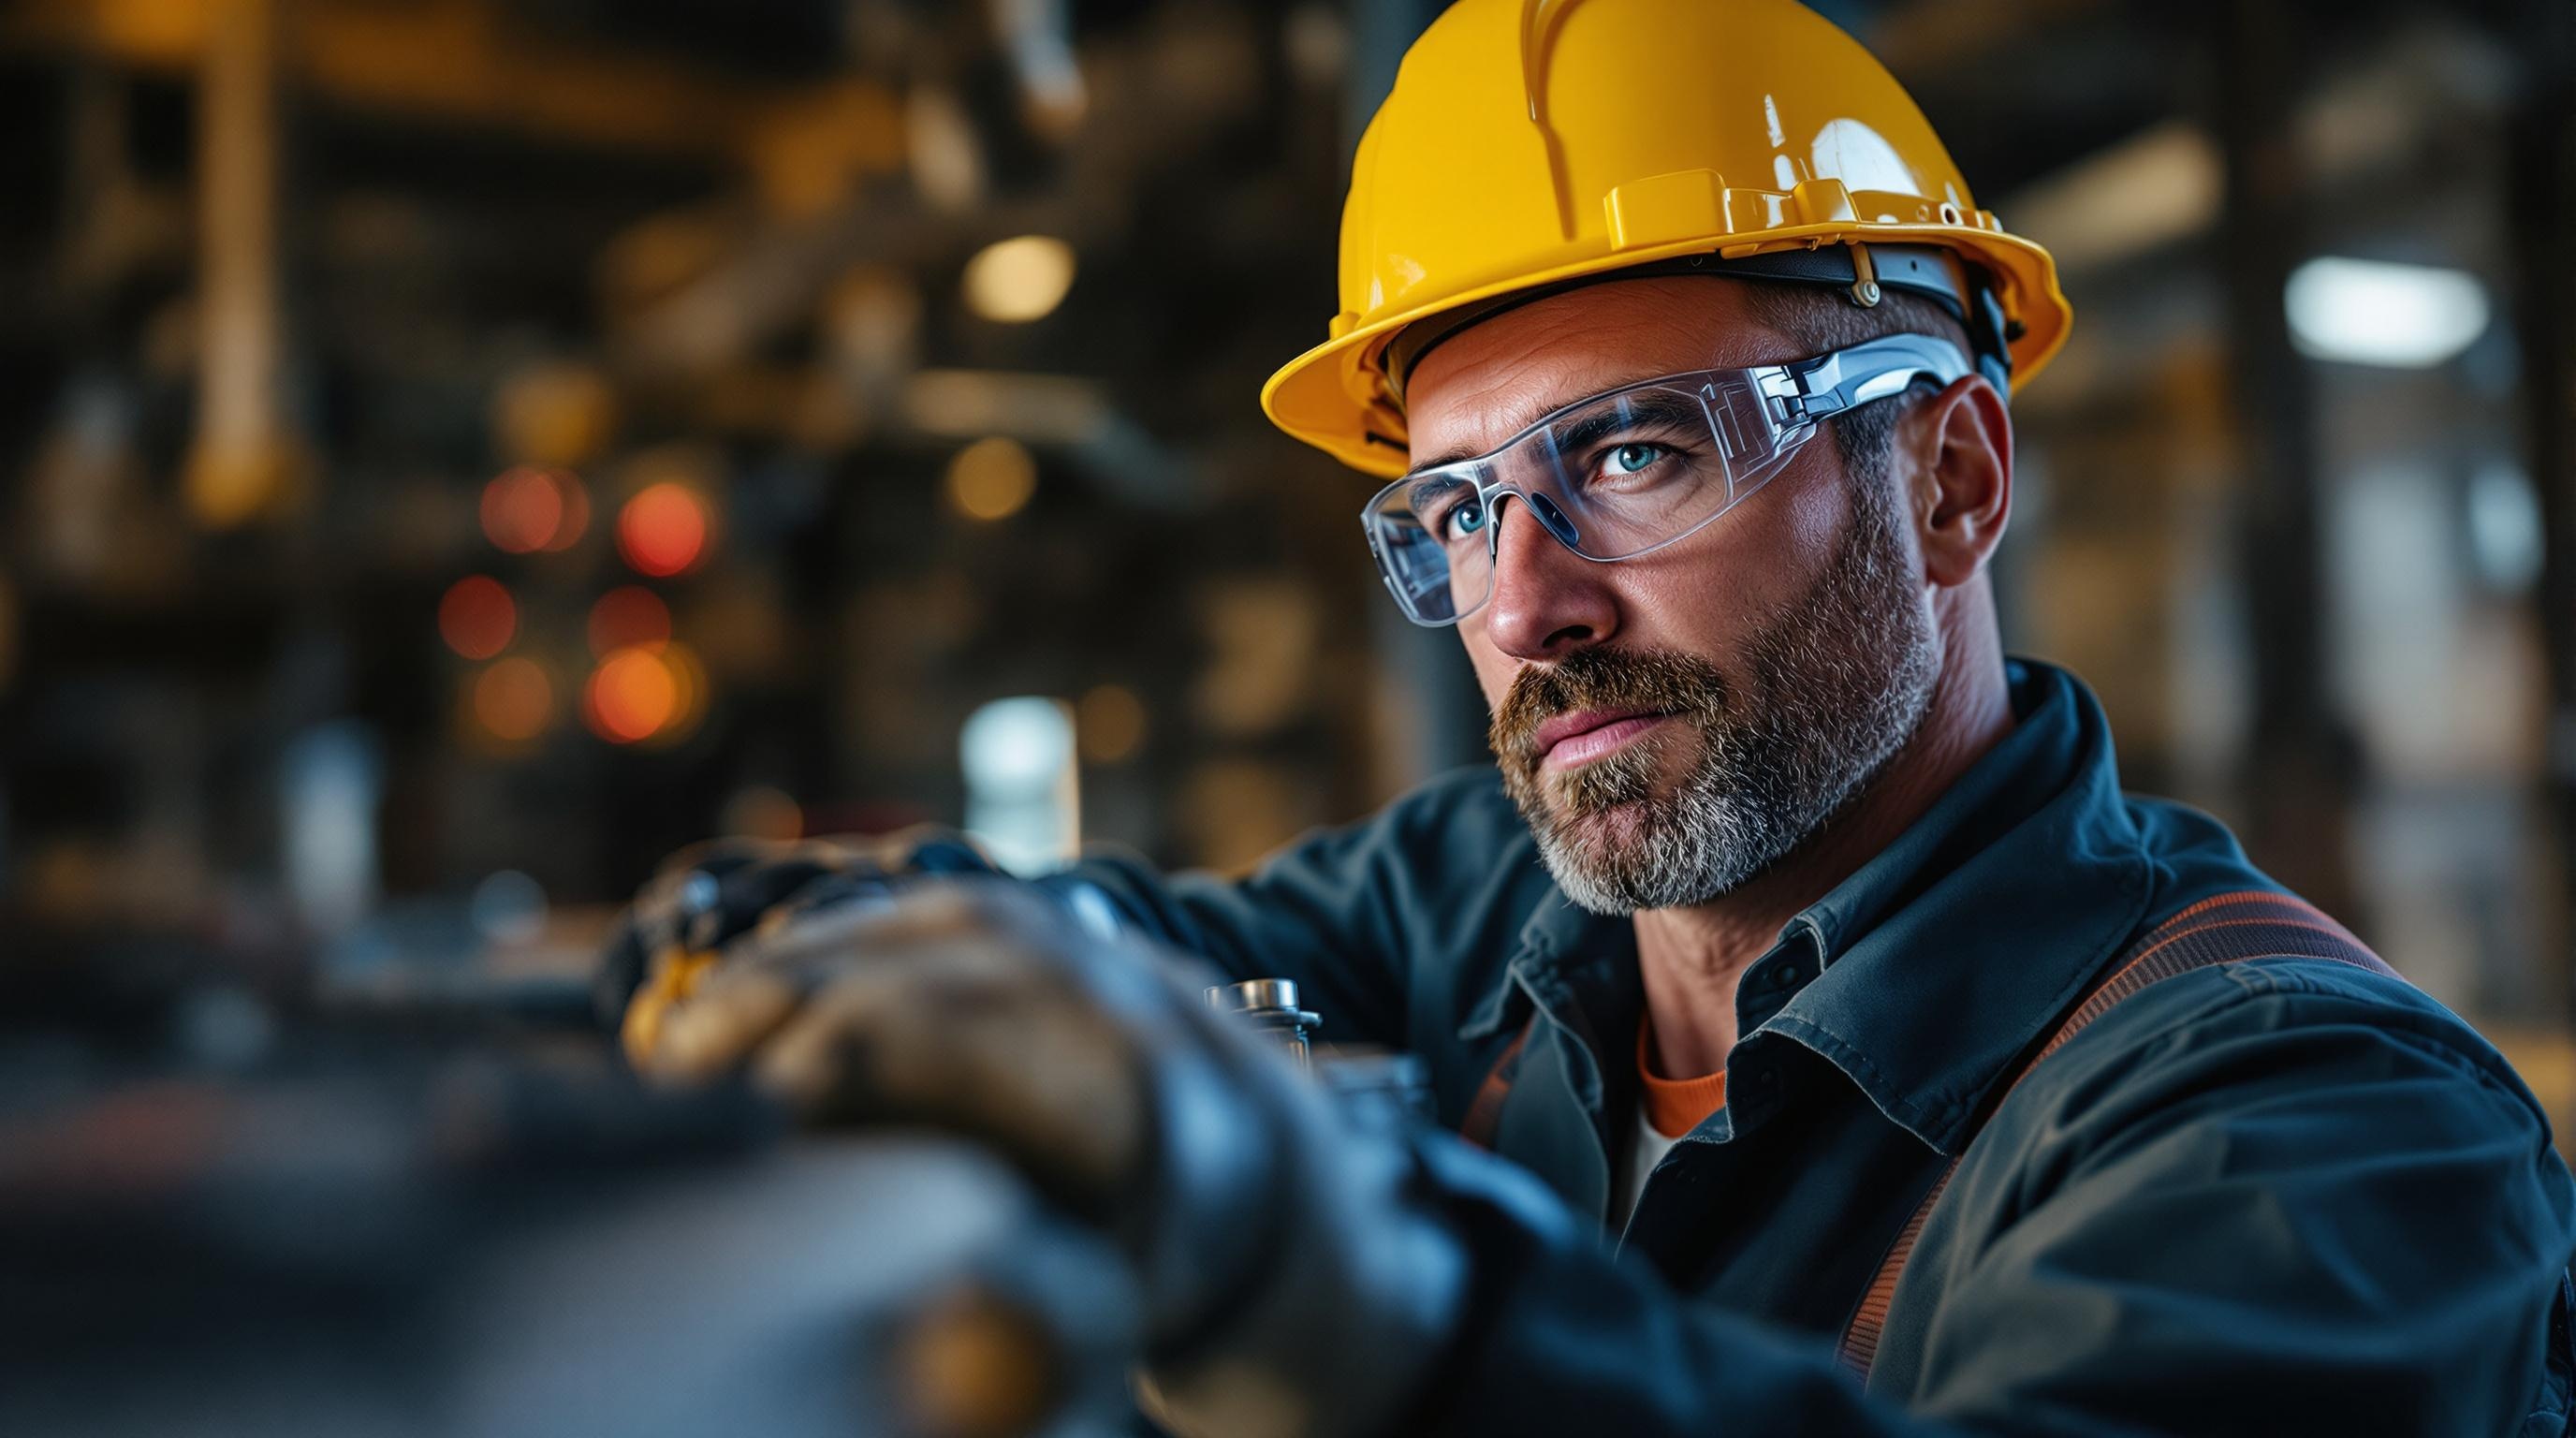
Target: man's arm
2269,1201
2261,1199
1307,913
1348,913
1353,914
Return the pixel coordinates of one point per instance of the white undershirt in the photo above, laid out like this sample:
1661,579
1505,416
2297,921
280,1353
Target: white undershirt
1646,1148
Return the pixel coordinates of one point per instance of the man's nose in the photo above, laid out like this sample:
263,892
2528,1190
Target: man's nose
1548,601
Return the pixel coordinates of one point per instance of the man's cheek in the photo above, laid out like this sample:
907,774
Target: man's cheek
1494,669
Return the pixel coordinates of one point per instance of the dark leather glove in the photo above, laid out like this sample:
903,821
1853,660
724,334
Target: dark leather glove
708,896
1291,1282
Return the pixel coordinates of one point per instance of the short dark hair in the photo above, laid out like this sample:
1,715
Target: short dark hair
1819,320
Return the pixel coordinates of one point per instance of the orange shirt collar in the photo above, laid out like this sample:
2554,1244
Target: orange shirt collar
1675,1106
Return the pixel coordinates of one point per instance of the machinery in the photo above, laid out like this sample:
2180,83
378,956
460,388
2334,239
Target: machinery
449,1210
468,1221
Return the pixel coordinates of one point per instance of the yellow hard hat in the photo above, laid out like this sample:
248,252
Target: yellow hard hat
1532,143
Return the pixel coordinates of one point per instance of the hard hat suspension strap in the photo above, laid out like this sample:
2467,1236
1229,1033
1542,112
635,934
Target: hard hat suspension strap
1861,272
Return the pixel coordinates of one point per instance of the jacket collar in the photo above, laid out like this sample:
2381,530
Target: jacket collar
1955,949
1557,937
1949,953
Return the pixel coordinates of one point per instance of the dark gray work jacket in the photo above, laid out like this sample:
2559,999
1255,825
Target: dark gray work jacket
2280,1196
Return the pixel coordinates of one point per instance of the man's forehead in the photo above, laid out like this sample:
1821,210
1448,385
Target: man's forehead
1479,387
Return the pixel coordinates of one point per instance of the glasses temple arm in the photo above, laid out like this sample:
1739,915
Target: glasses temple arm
1873,370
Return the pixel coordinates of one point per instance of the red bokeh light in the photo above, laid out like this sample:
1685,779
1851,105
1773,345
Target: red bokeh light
528,509
627,617
576,508
476,617
662,531
522,509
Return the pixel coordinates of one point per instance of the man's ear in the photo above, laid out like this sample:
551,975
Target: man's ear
1959,451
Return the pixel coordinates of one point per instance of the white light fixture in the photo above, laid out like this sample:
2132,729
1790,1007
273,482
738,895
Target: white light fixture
331,783
1021,794
2377,313
1019,279
2506,541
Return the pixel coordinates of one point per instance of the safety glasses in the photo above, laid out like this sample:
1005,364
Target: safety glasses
1628,471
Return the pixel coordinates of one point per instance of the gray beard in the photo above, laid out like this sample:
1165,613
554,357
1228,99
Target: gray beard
1835,686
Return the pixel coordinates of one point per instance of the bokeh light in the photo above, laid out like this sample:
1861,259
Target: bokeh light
627,617
508,907
576,509
1019,279
476,617
514,700
662,531
631,696
645,692
554,412
528,509
689,676
2375,312
1022,799
1109,724
992,478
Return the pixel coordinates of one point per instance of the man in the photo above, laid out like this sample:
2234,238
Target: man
1799,942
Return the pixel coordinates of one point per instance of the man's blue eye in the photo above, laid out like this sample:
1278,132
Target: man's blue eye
1465,517
1630,458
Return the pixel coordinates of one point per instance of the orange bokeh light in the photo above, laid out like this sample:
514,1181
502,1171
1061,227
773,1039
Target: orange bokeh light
632,696
627,617
662,531
476,617
528,509
513,699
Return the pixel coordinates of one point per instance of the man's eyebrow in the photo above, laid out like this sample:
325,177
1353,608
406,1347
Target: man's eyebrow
1461,454
1647,407
1654,407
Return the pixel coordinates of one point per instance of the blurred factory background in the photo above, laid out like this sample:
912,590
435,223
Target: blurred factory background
459,451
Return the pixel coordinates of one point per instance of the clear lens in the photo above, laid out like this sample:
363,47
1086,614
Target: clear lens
1627,471
1418,567
1609,478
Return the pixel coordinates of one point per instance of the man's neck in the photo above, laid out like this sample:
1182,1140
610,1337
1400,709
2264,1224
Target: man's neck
1691,958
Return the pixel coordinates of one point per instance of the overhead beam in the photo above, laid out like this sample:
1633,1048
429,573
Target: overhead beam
239,462
467,61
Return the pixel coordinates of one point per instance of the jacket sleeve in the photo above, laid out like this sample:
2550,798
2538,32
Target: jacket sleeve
2305,1210
1362,917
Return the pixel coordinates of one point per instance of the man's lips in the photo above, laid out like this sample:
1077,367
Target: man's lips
1581,737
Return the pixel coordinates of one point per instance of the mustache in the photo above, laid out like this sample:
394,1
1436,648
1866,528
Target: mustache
1661,680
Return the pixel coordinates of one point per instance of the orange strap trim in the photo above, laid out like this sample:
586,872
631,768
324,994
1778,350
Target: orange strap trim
1487,1109
2255,924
